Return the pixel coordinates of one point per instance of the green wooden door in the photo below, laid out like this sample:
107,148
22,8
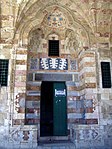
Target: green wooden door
59,109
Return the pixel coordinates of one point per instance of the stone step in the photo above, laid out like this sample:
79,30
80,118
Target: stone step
57,143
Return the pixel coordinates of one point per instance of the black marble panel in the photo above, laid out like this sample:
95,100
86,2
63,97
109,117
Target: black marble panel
53,77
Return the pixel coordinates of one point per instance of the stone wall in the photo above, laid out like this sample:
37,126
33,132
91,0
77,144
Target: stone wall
84,31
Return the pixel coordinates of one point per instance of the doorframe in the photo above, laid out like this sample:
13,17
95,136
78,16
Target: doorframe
55,138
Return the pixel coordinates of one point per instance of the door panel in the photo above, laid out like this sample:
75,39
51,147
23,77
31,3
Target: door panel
59,109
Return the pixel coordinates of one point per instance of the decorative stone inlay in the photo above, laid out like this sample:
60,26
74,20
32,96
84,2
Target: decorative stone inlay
22,134
33,64
26,135
54,64
73,65
88,134
17,136
20,103
55,19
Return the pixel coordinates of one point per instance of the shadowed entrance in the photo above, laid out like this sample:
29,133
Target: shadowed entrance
53,118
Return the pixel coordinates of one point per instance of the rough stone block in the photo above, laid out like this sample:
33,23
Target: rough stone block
1,119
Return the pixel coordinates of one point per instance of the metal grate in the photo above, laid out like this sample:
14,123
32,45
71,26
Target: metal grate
106,75
3,72
53,47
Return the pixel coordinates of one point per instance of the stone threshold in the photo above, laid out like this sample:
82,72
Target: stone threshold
55,143
52,141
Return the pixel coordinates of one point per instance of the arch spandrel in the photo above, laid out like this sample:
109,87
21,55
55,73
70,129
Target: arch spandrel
89,12
39,20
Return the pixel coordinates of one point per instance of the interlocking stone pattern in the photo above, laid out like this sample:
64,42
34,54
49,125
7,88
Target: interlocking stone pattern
84,31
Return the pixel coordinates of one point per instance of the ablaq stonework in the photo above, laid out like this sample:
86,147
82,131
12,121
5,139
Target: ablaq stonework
56,73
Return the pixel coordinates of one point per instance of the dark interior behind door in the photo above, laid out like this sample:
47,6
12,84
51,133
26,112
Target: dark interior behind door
46,115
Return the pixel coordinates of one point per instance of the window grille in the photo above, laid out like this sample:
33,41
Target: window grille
106,74
3,72
53,48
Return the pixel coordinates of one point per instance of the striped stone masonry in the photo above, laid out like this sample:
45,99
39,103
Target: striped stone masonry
87,68
21,68
25,29
32,113
20,86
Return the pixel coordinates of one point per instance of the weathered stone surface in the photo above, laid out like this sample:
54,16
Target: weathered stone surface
83,28
53,77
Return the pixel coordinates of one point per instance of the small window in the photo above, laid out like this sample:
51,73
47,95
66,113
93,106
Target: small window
53,47
106,74
3,72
